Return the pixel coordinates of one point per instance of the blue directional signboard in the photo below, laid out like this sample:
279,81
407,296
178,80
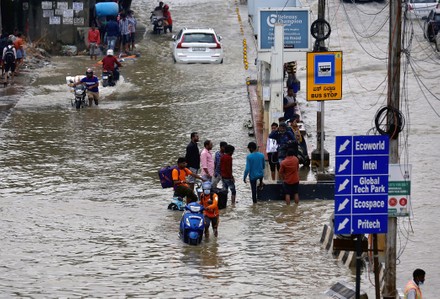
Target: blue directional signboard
361,184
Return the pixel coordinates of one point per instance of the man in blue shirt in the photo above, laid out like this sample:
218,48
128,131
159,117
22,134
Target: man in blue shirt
285,139
255,163
112,31
92,83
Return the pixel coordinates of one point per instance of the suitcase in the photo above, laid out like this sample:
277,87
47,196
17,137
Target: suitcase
222,197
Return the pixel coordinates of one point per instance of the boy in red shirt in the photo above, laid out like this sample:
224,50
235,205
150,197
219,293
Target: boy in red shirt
289,173
226,171
94,39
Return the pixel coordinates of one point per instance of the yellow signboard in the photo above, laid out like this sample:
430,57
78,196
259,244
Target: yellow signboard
324,76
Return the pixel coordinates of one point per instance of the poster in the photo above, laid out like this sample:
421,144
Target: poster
67,21
47,13
78,6
78,21
55,20
58,12
62,5
68,13
46,5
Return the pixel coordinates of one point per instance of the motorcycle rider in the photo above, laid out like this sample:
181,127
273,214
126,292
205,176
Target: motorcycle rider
91,82
108,64
168,21
209,200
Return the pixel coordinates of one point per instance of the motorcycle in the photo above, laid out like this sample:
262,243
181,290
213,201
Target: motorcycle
157,20
192,224
108,79
80,96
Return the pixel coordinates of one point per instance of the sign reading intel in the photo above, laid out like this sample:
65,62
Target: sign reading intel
296,23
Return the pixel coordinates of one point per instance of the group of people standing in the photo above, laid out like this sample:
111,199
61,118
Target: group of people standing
212,169
12,47
114,32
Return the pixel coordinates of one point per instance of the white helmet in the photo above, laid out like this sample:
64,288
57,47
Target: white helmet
110,52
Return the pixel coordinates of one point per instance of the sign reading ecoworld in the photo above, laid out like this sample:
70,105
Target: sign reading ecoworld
296,23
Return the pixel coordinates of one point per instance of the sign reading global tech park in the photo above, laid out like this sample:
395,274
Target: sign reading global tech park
361,184
296,23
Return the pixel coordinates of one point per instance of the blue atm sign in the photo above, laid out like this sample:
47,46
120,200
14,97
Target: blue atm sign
361,184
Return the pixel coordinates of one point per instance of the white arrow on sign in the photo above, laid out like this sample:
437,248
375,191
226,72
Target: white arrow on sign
342,224
343,204
343,185
343,146
343,165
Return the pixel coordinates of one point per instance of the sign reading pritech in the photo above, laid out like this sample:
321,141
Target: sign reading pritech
361,184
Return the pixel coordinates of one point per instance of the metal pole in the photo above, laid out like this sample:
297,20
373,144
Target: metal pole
358,265
322,137
393,102
320,114
376,266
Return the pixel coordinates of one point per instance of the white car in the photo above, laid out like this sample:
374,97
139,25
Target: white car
420,8
197,46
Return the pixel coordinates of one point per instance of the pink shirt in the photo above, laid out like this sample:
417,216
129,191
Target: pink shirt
206,161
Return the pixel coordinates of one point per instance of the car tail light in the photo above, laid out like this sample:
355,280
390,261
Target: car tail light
218,46
179,45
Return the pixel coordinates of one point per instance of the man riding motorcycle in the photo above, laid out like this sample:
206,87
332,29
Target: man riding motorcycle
91,82
108,64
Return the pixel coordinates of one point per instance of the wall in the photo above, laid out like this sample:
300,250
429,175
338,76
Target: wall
50,24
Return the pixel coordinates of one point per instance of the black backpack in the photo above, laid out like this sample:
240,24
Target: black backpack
9,55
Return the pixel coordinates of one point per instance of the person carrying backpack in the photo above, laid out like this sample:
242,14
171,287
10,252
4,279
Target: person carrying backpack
9,56
181,187
3,44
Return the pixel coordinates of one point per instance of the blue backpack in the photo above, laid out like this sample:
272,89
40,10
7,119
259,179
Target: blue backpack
166,176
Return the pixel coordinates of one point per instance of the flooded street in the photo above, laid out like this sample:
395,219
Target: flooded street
82,212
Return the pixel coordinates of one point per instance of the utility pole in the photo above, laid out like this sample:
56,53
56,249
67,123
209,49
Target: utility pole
394,52
320,154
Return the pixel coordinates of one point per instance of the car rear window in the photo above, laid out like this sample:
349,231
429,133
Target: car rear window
199,38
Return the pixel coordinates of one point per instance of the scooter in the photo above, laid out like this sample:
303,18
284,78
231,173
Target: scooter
108,79
80,96
192,224
156,20
178,203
